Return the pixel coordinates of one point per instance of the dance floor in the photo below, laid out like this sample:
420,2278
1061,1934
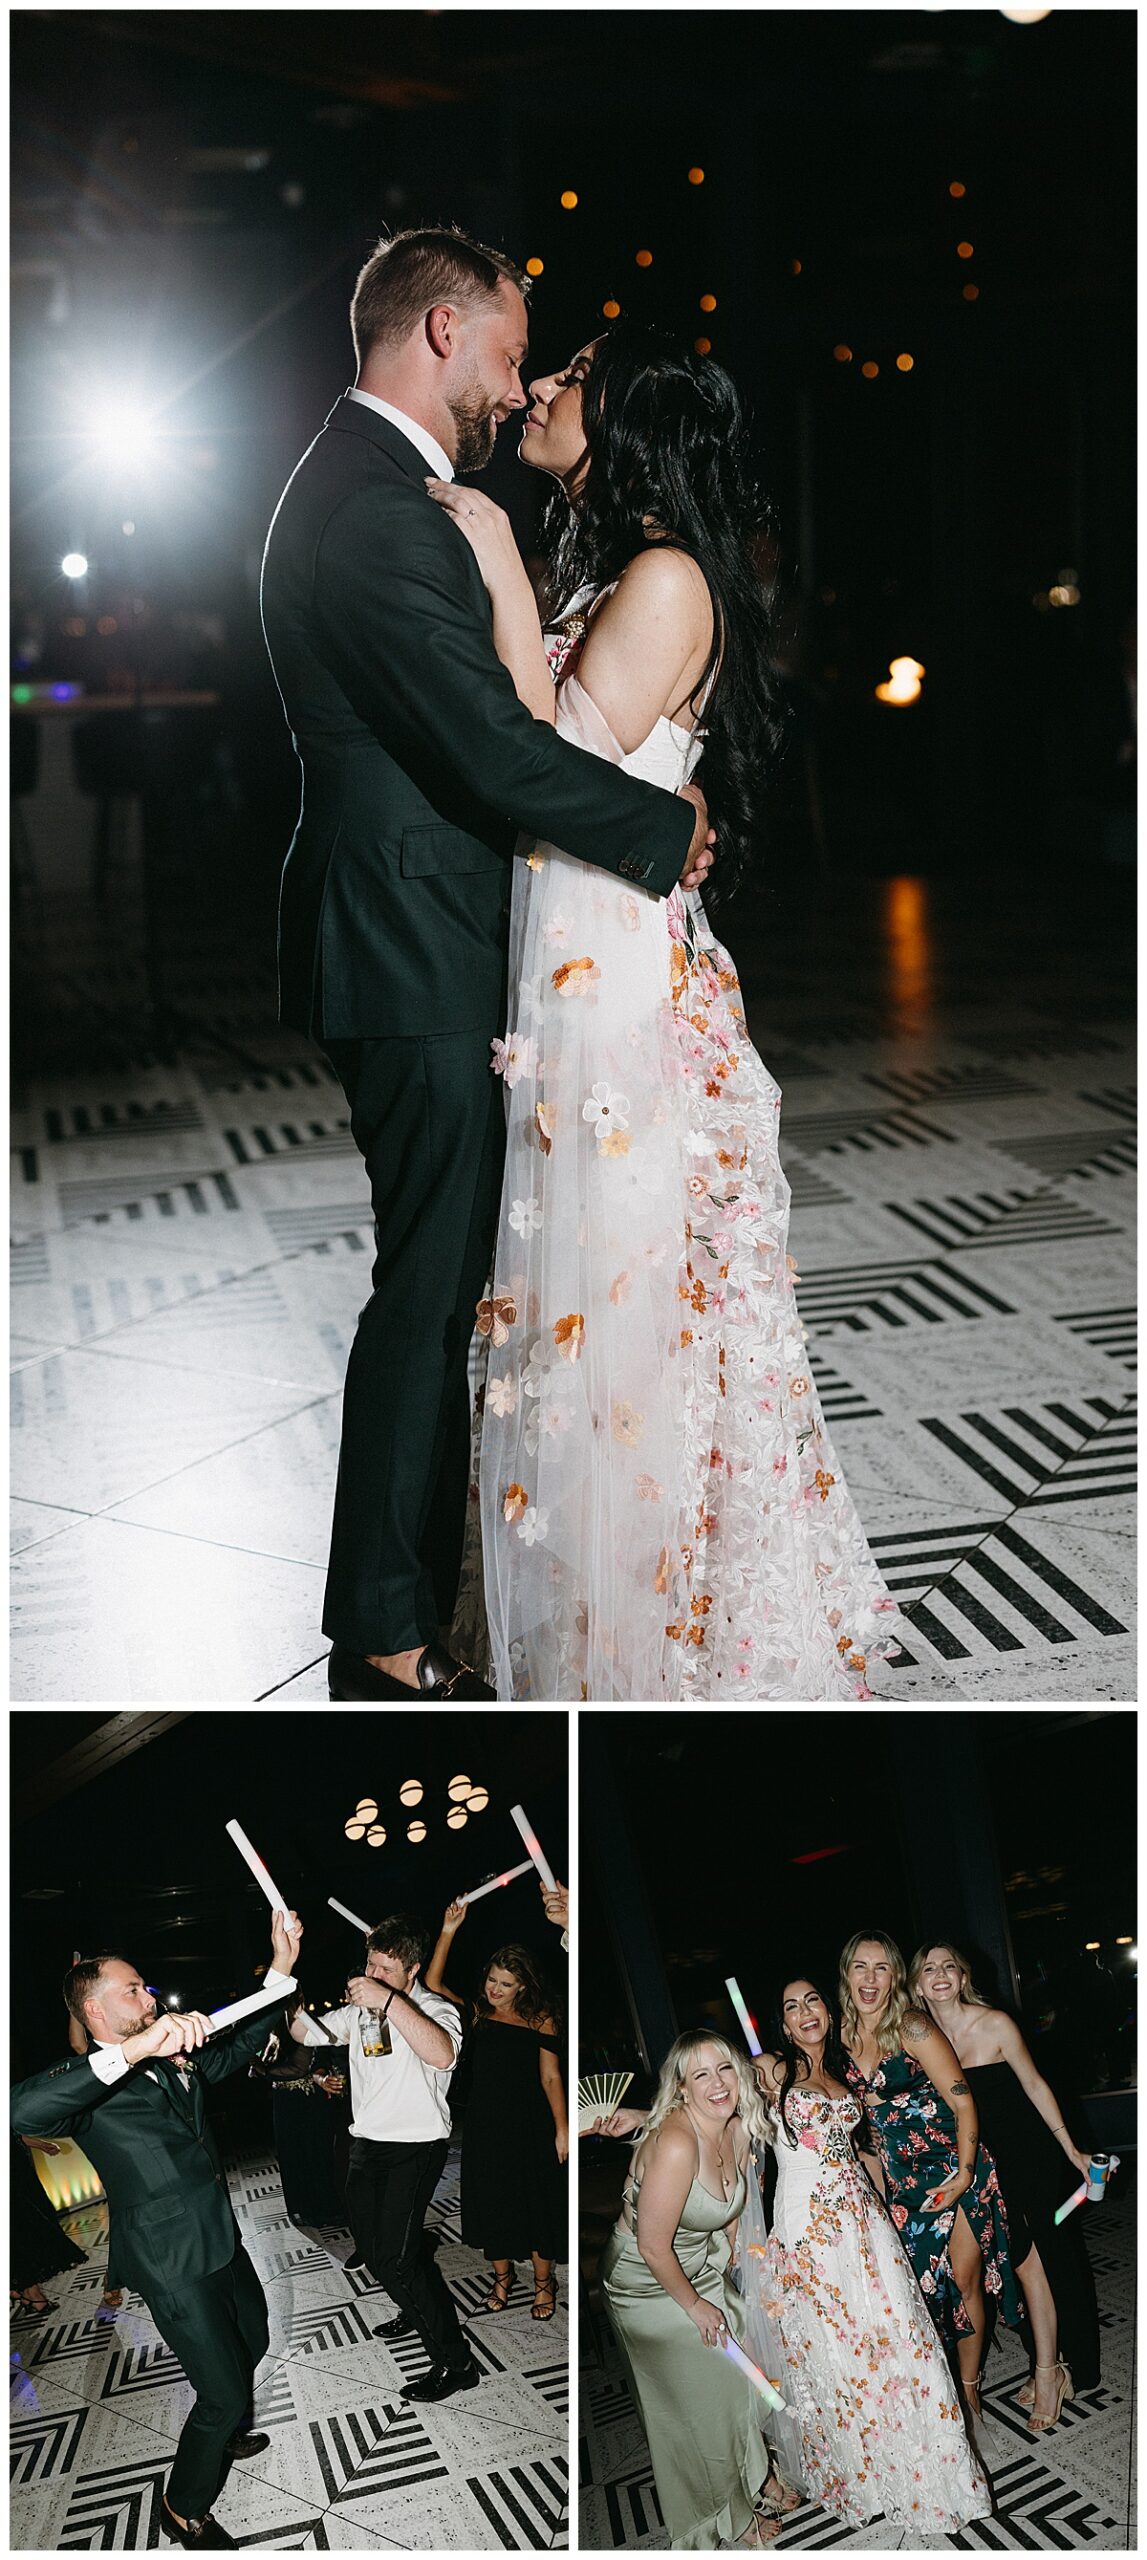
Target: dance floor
98,2400
192,1247
1071,2490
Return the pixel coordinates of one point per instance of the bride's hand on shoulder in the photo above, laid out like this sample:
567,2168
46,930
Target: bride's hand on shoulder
486,528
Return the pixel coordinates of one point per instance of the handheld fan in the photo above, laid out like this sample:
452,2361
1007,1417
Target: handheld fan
598,2094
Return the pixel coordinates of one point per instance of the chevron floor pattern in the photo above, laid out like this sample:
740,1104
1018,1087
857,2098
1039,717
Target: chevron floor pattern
1072,2490
193,1245
97,2403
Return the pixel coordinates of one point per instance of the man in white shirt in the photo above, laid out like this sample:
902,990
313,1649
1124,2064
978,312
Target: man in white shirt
404,2042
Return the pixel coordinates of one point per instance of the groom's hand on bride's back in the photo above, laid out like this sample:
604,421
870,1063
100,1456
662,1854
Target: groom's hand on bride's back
699,859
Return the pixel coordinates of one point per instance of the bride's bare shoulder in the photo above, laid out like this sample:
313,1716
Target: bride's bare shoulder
665,578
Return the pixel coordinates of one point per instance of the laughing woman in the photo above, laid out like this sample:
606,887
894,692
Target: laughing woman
881,2430
940,2183
672,2306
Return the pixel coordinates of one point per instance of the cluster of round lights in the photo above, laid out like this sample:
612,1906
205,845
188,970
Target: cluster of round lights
464,1796
611,310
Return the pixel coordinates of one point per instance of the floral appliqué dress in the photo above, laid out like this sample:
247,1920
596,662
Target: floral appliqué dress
663,1515
916,2135
866,2376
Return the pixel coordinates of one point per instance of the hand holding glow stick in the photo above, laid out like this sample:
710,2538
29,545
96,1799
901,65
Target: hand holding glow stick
352,1916
760,2381
491,1886
533,1844
1079,2196
277,1900
752,2039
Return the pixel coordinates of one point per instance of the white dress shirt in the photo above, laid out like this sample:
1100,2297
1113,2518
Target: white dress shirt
395,2096
428,445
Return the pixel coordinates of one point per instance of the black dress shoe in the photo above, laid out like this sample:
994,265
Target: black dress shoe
399,2327
201,2533
441,2380
241,2447
438,1676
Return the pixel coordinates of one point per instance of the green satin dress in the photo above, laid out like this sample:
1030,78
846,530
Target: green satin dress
699,2412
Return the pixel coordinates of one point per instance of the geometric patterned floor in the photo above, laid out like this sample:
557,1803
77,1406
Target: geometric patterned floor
1071,2490
97,2401
192,1249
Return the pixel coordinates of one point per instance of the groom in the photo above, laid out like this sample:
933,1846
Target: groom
420,769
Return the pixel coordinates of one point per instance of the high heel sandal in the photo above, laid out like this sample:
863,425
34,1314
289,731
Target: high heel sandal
545,2288
786,2501
1038,2426
1026,2393
759,2534
499,2298
971,2392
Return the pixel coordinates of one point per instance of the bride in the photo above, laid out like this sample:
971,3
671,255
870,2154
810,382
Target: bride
663,1516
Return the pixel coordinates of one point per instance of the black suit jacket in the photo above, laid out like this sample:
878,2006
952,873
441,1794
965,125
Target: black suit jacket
420,765
150,2140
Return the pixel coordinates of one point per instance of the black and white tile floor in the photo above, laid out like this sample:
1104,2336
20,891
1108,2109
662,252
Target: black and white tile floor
192,1248
1071,2490
98,2401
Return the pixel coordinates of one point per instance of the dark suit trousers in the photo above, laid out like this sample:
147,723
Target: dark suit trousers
429,1120
388,2190
217,2326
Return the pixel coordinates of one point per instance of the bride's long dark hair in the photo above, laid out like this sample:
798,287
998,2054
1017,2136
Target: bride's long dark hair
781,2043
668,446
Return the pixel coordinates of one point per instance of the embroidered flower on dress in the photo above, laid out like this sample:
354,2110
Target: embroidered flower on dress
627,1424
526,1217
533,1525
521,1057
502,1395
557,931
613,1142
515,1502
569,1335
575,976
606,1109
495,1317
630,913
544,1128
647,1489
620,1289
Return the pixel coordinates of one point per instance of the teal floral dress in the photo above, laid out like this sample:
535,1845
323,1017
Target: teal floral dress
916,2138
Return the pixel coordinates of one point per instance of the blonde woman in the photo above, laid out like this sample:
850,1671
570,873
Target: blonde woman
672,2306
941,2186
1038,2164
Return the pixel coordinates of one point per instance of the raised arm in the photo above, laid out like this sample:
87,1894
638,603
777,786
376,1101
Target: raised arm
430,2041
1032,2082
452,1919
933,2052
668,2168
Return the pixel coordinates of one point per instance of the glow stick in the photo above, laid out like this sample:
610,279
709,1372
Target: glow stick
1079,2197
760,2382
352,1916
237,2009
495,1881
751,2037
533,1844
277,1900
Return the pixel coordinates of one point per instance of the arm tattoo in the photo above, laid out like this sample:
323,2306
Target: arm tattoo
915,2029
959,2089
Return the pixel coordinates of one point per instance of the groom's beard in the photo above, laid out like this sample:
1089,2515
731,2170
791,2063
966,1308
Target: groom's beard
476,429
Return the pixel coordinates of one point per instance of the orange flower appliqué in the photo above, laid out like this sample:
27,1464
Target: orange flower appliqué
569,1335
495,1317
515,1501
575,976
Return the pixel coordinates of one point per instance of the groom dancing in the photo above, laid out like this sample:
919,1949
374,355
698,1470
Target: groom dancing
136,2107
420,767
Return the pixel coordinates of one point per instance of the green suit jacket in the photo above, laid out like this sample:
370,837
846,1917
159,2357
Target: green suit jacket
422,771
150,2140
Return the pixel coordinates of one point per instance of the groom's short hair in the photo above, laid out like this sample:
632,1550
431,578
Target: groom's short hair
403,278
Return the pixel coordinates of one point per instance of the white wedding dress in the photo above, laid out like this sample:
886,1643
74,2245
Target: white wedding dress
662,1513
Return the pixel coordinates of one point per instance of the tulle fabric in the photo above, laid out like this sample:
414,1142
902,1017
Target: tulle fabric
662,1513
763,2340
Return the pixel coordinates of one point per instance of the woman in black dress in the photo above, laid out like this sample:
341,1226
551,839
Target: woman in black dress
1022,2125
37,2247
515,2134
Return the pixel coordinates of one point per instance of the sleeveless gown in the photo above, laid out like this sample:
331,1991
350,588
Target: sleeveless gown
1035,2179
916,2135
515,2195
699,2412
663,1515
866,2376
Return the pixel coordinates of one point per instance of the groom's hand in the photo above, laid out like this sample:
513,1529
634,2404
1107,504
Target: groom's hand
699,859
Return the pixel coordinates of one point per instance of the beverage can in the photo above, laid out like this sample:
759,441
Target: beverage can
1097,2176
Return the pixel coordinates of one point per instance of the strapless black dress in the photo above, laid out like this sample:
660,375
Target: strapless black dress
1035,2178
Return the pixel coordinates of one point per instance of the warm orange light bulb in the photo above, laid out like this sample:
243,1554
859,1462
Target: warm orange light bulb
870,371
569,200
645,257
708,302
696,177
971,292
956,189
702,346
964,249
843,355
611,310
534,267
904,364
795,267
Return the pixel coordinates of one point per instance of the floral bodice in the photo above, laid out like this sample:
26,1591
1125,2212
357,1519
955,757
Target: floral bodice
821,2123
